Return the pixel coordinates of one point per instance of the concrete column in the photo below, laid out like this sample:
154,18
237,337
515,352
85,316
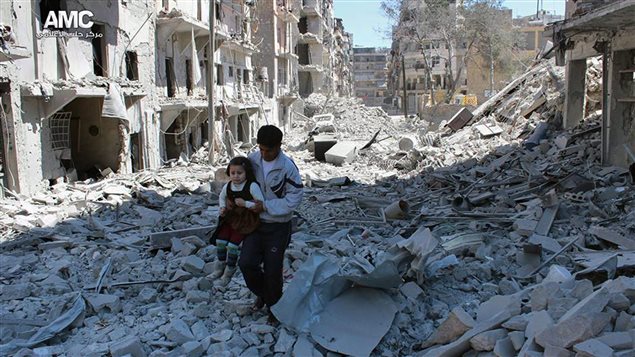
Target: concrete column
621,111
575,93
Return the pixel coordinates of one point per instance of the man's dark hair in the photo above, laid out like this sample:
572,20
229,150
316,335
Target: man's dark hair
246,164
269,136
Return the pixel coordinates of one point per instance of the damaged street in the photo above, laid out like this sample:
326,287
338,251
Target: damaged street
503,229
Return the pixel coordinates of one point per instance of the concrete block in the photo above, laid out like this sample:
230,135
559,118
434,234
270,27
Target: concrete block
617,340
147,295
552,351
284,343
99,302
128,346
582,289
558,306
525,227
619,302
538,321
454,326
341,152
179,332
592,303
622,321
504,348
517,339
486,341
592,348
192,349
496,304
517,323
411,290
573,330
193,264
322,144
196,296
541,294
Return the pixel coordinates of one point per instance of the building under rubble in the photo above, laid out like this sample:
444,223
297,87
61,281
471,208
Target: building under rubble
129,92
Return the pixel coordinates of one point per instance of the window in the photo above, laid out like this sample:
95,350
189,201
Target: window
231,71
220,79
199,10
50,5
217,12
132,69
100,67
436,60
169,77
246,76
189,78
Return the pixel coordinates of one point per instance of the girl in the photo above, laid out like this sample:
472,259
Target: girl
236,220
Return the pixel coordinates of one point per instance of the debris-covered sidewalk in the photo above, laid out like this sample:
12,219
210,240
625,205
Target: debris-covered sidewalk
498,233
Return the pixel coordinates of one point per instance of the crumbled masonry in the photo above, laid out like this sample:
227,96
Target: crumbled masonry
505,248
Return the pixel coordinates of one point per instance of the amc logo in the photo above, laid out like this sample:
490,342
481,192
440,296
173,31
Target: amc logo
69,19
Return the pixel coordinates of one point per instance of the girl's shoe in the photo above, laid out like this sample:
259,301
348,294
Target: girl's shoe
227,276
219,268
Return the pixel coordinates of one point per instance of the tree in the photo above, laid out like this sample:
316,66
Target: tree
453,31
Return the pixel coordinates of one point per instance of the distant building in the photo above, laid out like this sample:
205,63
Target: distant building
369,67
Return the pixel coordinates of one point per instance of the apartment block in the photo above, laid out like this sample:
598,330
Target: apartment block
277,35
369,66
76,100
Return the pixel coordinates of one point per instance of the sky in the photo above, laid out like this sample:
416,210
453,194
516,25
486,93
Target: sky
369,26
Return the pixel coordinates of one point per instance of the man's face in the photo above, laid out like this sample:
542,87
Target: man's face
269,153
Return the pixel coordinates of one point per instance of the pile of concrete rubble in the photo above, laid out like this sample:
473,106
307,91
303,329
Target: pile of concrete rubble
497,235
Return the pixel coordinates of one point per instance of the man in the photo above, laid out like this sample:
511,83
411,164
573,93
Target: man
261,259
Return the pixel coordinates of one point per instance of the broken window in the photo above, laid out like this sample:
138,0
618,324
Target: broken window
217,12
50,5
220,80
59,124
169,77
100,68
303,53
132,69
189,78
303,25
246,76
231,72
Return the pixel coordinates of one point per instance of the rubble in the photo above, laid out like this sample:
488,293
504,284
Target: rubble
487,256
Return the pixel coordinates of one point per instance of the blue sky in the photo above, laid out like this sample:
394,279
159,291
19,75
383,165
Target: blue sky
366,21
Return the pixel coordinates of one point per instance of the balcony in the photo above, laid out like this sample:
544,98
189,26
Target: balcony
286,95
314,68
311,8
310,38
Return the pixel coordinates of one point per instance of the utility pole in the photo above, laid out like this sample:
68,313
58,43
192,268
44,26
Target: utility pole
211,132
405,94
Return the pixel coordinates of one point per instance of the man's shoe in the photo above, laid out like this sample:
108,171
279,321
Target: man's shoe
219,268
258,304
271,319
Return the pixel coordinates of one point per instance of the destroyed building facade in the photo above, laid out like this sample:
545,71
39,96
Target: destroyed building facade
369,66
76,104
133,95
277,35
599,28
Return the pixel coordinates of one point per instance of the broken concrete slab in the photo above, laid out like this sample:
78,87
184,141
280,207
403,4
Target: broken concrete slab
592,303
461,345
162,240
455,325
573,330
497,303
618,340
179,332
504,348
592,348
485,341
460,119
193,264
322,144
341,152
613,237
129,346
99,302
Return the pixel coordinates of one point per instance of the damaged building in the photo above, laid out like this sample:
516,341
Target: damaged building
76,102
277,63
601,28
182,52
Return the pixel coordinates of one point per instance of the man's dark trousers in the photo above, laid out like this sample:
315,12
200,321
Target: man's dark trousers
265,247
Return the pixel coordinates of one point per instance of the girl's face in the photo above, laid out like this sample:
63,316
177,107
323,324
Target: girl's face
237,174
